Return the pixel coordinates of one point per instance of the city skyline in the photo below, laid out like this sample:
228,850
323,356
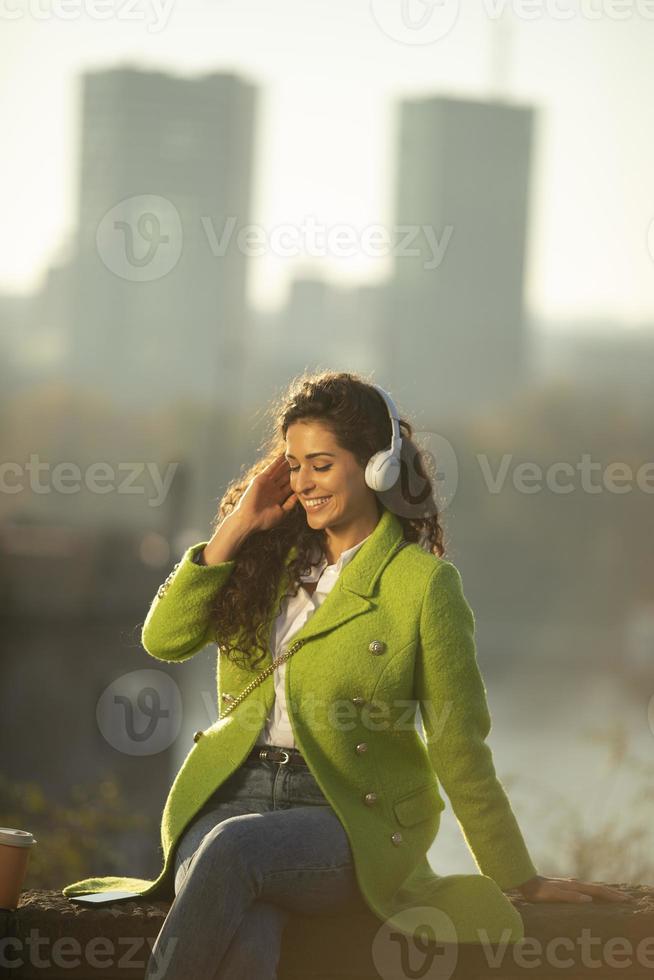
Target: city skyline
587,254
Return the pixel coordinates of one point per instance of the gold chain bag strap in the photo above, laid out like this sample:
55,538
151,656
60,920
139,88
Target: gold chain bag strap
261,677
280,660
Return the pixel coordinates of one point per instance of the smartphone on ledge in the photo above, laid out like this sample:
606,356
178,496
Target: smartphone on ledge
97,898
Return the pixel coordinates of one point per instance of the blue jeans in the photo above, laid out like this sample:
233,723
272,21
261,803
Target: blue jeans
265,844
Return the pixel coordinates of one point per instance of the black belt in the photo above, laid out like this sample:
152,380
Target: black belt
275,753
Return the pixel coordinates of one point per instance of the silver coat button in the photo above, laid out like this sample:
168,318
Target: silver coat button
163,588
198,736
362,747
358,700
370,798
396,837
377,646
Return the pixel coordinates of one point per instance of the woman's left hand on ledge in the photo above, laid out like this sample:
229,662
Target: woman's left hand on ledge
541,889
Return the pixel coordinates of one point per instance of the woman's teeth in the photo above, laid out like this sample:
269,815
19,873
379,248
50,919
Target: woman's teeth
319,502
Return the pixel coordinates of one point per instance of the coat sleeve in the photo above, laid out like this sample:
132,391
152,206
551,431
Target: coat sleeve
177,624
456,721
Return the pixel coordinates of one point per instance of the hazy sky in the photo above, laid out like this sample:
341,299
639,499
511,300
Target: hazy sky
330,73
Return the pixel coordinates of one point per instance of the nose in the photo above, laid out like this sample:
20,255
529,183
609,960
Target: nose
304,482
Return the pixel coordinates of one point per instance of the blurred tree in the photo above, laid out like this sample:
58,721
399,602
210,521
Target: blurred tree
78,839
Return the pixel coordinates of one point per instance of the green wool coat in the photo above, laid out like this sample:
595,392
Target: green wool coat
395,632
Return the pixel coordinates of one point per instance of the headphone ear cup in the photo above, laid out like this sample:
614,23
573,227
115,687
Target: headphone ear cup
382,471
390,473
370,475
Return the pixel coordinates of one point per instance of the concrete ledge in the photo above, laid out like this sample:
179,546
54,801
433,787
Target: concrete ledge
50,937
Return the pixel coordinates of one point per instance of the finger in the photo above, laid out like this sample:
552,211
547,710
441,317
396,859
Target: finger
573,890
276,463
549,894
570,890
608,894
278,471
282,481
583,891
594,888
568,895
565,890
290,503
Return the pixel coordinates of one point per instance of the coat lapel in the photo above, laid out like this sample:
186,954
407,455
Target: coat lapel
355,585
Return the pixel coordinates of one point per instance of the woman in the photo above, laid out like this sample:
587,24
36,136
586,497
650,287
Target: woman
314,791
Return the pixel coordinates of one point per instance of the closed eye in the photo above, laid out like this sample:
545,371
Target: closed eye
319,469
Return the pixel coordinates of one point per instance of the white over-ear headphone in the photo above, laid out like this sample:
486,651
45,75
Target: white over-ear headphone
383,469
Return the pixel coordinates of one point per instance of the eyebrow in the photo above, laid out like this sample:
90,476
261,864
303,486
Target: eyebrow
308,455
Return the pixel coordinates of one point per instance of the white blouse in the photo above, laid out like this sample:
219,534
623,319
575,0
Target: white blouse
294,613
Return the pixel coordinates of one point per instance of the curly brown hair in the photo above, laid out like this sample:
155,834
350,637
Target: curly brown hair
357,416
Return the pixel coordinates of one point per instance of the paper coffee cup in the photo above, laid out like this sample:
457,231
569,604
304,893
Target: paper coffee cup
15,848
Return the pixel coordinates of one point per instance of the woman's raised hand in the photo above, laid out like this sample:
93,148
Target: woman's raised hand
267,497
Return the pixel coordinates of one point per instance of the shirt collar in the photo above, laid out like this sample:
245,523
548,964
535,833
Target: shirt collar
321,565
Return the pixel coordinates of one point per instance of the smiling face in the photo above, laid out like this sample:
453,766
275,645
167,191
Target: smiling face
320,468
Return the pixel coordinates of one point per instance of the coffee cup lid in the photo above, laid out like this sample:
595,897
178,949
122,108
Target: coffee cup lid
17,838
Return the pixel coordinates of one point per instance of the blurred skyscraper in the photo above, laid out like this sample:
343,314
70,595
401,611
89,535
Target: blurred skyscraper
599,357
455,331
321,326
165,170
